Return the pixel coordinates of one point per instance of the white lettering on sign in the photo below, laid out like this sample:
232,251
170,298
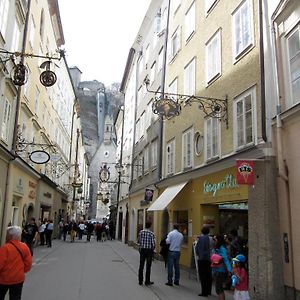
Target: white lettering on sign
229,182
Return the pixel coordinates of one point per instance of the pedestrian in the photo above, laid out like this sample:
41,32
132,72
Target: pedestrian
15,261
204,269
111,230
147,245
72,229
60,229
220,264
241,285
30,233
66,230
104,230
164,249
81,228
98,230
90,229
48,233
174,240
42,228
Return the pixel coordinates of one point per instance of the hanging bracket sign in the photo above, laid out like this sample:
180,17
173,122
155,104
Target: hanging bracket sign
39,157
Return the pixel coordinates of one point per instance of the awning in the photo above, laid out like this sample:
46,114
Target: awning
166,197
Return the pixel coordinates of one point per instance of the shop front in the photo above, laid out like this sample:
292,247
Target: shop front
214,200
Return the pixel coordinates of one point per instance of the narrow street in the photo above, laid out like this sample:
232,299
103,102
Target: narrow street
94,270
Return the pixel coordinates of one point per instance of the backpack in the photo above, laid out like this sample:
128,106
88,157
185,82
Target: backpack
216,261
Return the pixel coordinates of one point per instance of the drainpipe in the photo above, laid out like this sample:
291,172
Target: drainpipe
262,72
282,168
163,83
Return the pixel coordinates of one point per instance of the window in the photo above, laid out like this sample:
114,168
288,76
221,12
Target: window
154,154
160,60
242,28
212,138
6,120
146,159
190,78
148,114
213,57
4,4
173,87
16,37
42,24
32,31
190,19
181,218
208,5
152,73
137,131
187,148
142,125
139,166
164,18
170,155
139,95
293,44
244,119
140,65
175,44
158,22
36,101
147,54
175,5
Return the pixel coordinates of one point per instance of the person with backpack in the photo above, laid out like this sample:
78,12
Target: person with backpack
220,265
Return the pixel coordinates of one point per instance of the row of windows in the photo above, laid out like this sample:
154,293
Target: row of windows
242,38
244,134
146,161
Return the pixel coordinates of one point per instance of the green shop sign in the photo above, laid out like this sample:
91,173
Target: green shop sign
229,182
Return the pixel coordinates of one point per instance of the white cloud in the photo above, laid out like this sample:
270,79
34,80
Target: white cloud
99,34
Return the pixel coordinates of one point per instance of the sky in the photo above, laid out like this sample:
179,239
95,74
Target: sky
98,35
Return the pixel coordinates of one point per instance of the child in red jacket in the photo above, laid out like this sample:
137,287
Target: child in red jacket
239,270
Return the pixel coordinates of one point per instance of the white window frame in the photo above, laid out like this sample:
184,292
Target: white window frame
4,9
208,5
188,148
175,5
6,118
149,114
147,53
32,31
213,57
236,127
146,159
245,24
290,99
175,43
142,125
152,73
36,100
170,157
16,37
153,150
160,59
190,22
212,136
190,78
137,131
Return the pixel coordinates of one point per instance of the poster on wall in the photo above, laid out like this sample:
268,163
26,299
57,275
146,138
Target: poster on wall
148,195
209,221
245,172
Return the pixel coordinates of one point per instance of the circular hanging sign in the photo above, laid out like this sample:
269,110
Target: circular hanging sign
39,157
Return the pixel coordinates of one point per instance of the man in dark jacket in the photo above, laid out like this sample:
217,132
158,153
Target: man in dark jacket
204,268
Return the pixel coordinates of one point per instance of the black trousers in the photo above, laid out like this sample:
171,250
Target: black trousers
205,276
15,291
146,255
49,238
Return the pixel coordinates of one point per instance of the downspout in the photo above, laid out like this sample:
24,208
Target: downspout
18,104
282,168
135,112
262,72
163,83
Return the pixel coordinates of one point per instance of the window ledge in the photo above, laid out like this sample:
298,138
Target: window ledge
244,147
213,79
243,53
190,37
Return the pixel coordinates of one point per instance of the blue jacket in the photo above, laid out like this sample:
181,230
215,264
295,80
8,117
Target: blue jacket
224,253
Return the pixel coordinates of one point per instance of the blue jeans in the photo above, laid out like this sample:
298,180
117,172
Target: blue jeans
173,262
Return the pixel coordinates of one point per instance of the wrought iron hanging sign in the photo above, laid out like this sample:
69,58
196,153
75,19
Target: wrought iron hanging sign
48,77
19,74
39,157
